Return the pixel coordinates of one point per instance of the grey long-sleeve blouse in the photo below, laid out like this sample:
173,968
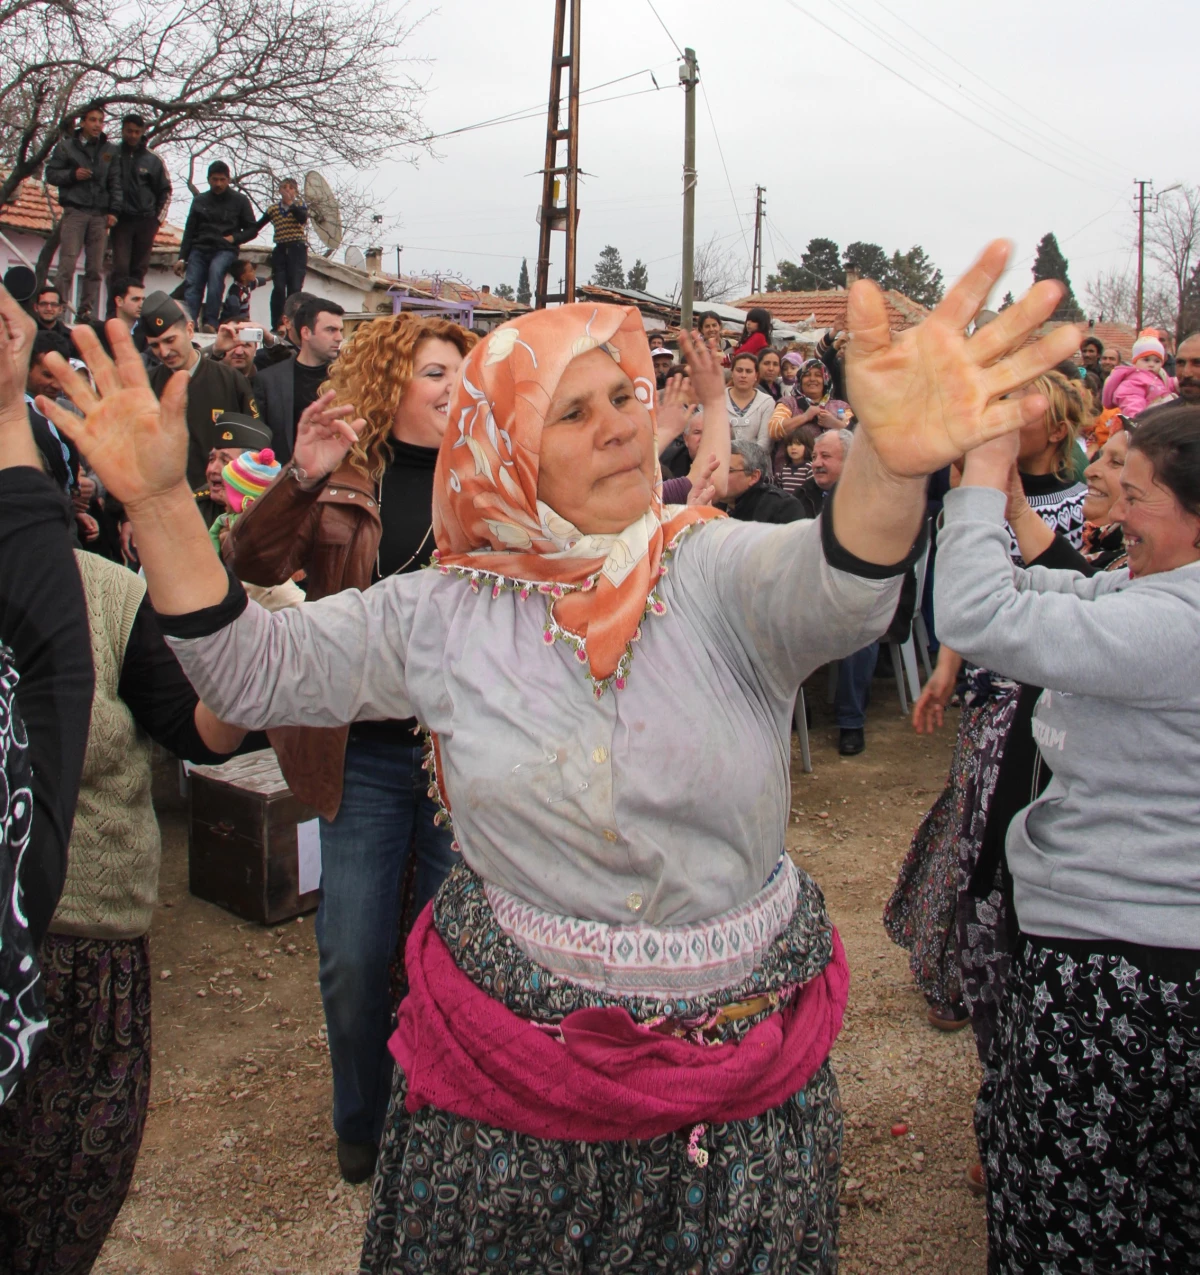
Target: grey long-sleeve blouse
663,803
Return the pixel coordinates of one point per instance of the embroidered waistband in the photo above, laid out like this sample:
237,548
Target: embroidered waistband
645,960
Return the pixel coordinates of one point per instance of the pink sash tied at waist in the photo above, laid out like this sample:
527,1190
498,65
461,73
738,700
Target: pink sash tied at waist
600,1076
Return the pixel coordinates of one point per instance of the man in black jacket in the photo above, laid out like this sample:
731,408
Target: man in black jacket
754,497
89,190
145,195
220,221
285,389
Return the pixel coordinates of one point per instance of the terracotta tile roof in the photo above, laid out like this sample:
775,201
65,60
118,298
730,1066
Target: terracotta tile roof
827,309
35,209
1119,334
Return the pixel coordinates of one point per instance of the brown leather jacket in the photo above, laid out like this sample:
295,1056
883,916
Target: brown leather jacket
332,533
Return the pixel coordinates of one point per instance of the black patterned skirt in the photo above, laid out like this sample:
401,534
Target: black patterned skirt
922,915
454,1195
1089,1119
70,1134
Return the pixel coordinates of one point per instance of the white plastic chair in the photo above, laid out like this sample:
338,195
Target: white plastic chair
800,717
904,654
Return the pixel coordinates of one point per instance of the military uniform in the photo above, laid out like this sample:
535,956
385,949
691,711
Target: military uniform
215,388
230,429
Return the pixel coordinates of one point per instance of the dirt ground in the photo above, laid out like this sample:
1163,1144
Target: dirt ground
237,1170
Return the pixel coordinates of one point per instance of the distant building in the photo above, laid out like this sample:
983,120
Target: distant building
810,313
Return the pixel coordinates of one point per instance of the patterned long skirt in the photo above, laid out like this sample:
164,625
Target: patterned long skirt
1090,1119
922,914
453,1195
70,1134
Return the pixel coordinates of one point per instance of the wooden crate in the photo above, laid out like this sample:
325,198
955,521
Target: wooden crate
243,846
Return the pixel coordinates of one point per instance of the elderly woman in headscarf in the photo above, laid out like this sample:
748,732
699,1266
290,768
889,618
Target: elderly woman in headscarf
608,1058
807,404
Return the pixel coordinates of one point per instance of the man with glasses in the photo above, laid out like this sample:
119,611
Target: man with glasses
48,311
754,497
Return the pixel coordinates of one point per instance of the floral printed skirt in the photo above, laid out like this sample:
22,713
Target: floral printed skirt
921,915
70,1133
1089,1120
453,1195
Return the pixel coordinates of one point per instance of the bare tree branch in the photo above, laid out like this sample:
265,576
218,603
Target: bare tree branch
719,272
274,87
1112,297
1173,243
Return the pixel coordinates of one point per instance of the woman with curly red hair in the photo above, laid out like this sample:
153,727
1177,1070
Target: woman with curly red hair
372,519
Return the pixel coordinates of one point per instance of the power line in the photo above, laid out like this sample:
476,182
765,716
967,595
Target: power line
1073,141
725,167
820,278
538,109
1003,117
464,252
662,24
933,98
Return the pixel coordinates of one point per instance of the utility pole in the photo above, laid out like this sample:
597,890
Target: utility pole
552,215
688,75
760,206
1141,198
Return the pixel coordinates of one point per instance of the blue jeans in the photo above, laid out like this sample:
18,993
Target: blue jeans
854,688
206,267
289,264
385,812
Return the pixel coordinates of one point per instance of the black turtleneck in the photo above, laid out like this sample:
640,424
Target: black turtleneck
406,509
405,544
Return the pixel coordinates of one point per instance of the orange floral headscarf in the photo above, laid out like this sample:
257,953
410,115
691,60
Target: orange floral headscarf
487,519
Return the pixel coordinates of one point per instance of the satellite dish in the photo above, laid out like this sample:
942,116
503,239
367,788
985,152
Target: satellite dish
323,211
355,258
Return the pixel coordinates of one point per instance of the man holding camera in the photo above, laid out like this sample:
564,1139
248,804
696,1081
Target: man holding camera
214,388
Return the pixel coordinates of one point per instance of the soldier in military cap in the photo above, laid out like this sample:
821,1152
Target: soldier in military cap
215,387
231,434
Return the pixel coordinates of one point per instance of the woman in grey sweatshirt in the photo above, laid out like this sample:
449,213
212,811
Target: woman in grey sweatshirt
1090,1106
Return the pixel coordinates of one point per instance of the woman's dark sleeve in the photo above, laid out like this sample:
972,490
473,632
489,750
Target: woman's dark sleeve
1061,555
161,699
43,620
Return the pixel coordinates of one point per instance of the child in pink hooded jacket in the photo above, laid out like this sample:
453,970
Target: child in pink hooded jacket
1131,388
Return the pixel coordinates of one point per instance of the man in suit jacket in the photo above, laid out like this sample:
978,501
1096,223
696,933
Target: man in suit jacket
285,389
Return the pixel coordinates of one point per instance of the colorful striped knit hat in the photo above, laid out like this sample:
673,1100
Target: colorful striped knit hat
247,476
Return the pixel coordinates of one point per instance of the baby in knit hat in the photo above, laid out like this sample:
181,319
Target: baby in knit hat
246,477
1132,387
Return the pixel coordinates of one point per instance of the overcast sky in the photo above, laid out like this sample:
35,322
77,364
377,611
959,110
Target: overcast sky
1093,95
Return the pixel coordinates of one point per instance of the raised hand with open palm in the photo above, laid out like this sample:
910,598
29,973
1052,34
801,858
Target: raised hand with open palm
926,396
135,443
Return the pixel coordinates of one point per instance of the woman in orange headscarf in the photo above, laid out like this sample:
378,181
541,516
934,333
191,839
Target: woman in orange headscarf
615,1050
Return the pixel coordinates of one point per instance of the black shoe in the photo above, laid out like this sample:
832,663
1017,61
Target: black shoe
851,742
356,1160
